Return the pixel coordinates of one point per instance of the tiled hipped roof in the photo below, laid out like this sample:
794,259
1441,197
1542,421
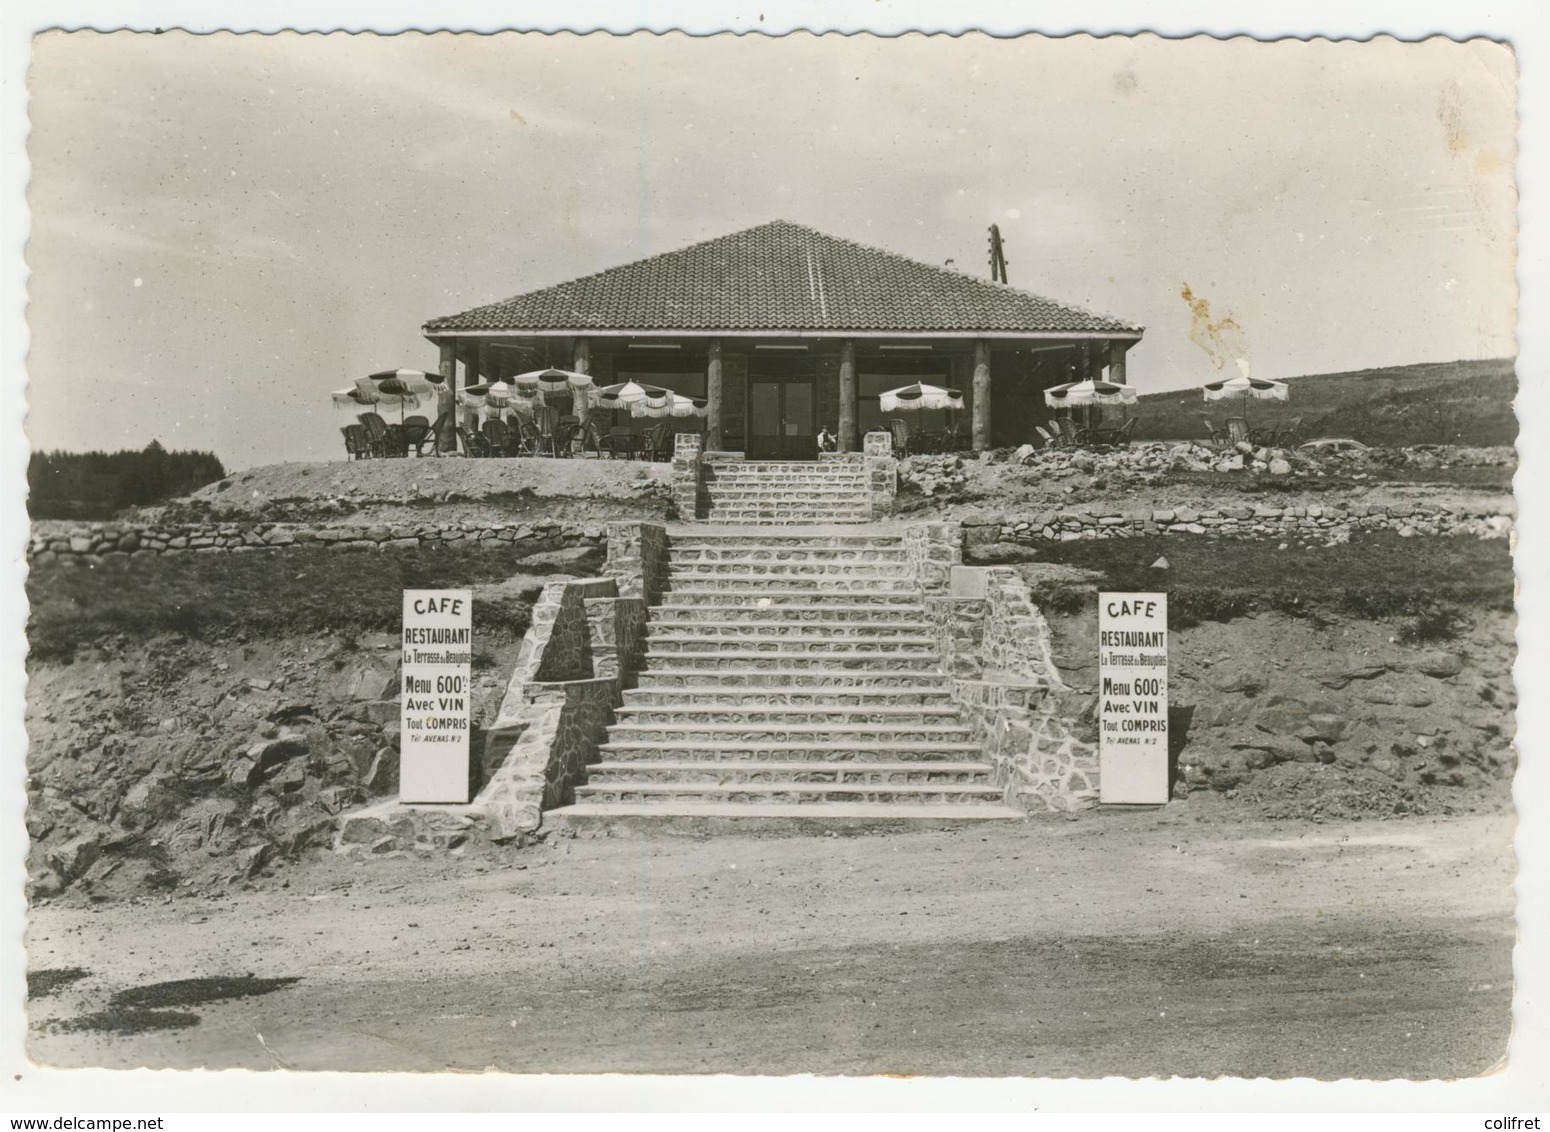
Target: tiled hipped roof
781,276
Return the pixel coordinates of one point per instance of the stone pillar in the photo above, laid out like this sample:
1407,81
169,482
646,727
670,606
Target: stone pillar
713,396
687,447
849,439
980,435
582,363
1117,362
447,441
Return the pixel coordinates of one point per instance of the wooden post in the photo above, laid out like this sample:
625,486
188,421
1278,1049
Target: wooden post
447,440
713,396
1117,362
980,435
581,363
849,438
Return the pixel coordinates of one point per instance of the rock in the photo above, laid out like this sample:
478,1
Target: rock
382,711
1231,678
1280,468
77,855
1329,728
1162,563
1282,719
268,754
252,859
1439,665
1340,671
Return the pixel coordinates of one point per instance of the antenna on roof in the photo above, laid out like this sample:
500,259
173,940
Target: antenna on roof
997,255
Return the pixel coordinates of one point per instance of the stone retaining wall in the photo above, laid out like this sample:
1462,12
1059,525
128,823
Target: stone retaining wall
95,544
995,645
582,650
1331,520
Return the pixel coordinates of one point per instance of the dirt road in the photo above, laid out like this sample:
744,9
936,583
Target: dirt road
1130,944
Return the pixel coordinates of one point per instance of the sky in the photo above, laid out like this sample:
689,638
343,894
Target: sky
227,227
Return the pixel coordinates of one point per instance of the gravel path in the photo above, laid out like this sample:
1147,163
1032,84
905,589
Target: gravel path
1131,944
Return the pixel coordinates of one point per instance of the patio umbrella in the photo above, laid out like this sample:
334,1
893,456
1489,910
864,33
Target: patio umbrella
1259,388
628,393
919,397
1089,392
677,405
401,387
554,380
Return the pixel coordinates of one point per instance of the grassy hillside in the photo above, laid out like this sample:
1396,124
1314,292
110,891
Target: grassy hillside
1467,403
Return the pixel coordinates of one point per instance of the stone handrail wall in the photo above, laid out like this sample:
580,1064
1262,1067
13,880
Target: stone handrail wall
637,559
581,651
933,550
1486,520
55,542
996,648
540,745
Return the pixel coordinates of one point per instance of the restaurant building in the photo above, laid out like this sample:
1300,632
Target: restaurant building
785,331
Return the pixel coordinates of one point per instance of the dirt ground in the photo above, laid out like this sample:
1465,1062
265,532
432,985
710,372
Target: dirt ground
1176,941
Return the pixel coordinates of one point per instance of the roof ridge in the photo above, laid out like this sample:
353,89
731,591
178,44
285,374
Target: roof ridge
959,274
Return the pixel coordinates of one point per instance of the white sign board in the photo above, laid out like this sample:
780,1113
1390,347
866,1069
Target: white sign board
1132,698
433,717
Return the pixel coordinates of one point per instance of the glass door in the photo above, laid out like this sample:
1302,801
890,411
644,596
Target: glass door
781,422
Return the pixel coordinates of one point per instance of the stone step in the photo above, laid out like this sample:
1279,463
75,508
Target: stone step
686,630
763,585
782,489
807,750
783,467
792,554
691,697
699,819
840,734
761,572
791,520
762,538
699,644
801,773
648,793
791,515
851,661
691,712
787,612
765,680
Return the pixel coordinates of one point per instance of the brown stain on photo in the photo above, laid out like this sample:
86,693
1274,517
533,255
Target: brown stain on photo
1222,339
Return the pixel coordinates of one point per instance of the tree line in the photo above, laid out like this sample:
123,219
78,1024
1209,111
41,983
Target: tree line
95,485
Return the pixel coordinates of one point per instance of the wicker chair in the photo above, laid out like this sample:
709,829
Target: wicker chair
494,433
376,433
356,445
417,434
901,437
473,444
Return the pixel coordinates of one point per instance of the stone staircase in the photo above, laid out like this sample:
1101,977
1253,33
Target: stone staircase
790,674
768,492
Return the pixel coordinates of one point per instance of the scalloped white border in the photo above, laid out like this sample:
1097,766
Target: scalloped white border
1524,1087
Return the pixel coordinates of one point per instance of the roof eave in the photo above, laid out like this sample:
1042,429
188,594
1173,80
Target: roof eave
433,332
